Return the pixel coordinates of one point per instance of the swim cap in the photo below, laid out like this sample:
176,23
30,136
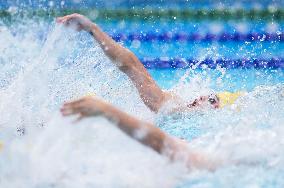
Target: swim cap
227,98
90,95
1,146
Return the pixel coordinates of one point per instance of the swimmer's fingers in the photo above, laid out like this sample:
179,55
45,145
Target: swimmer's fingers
71,108
76,21
70,19
84,100
66,22
73,103
67,111
82,110
65,18
59,19
86,106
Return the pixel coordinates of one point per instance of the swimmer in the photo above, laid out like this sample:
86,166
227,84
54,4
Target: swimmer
152,96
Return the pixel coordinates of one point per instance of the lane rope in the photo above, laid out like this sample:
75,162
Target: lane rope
166,63
154,14
182,36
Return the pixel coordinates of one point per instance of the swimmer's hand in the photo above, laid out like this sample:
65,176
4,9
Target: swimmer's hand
85,107
76,21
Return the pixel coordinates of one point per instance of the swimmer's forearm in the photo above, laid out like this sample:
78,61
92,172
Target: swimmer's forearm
111,48
155,138
127,62
143,132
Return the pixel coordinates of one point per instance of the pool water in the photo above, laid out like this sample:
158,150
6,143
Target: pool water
44,65
222,80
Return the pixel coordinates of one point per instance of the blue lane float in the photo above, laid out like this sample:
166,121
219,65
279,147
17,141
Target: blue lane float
189,37
180,63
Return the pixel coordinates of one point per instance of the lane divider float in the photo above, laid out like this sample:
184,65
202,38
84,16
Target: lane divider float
154,14
166,63
182,36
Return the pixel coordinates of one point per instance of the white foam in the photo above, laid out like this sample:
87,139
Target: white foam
54,152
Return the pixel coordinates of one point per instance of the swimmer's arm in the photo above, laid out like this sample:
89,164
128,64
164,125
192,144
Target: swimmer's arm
151,94
153,137
145,133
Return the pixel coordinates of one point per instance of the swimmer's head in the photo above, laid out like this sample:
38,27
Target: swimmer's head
212,100
219,100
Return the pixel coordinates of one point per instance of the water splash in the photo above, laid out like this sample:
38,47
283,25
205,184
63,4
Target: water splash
40,73
50,151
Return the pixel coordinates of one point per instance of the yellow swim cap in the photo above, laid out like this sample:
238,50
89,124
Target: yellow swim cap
228,98
90,95
1,146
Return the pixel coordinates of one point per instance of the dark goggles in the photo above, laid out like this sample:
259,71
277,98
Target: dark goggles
213,99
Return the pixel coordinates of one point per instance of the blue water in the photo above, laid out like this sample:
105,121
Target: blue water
230,49
232,80
190,26
199,50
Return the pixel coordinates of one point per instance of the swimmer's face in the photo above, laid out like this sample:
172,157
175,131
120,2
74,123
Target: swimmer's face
210,100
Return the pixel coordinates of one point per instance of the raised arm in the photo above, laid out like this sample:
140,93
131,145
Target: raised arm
126,61
143,132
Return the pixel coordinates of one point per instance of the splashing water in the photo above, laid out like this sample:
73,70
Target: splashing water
38,148
51,151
